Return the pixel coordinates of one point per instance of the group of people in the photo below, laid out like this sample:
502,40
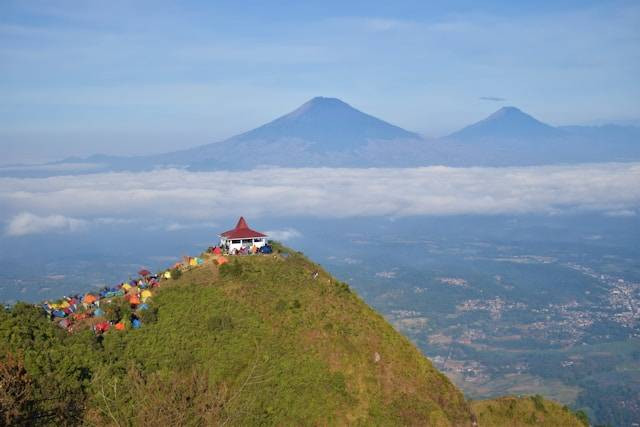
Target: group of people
244,250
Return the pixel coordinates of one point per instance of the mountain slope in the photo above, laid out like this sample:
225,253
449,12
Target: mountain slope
510,137
507,123
328,121
321,132
258,342
525,411
262,340
327,132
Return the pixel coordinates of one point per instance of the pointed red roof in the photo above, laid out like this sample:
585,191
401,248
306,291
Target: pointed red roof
242,231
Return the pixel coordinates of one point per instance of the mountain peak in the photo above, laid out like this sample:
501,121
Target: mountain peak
330,122
508,109
326,100
320,102
507,123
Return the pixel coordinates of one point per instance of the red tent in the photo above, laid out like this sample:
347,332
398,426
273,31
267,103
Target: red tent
144,273
102,327
217,250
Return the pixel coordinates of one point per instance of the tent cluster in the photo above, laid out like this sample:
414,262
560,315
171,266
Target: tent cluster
245,250
192,261
72,311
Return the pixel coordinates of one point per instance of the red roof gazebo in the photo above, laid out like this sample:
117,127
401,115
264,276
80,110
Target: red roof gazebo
241,236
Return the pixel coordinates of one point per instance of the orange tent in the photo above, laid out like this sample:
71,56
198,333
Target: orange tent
134,299
222,260
120,326
89,299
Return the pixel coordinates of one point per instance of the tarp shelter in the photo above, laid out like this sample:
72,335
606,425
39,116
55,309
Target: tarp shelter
80,316
102,327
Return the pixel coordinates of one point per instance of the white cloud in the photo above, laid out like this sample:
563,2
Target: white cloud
182,197
622,213
177,226
27,223
284,235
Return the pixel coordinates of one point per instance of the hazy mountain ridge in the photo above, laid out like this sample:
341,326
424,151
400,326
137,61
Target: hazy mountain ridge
330,133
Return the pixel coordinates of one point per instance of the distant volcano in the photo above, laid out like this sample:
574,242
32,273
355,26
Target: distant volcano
327,132
507,123
330,121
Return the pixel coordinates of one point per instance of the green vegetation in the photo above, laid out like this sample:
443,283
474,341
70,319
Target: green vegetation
259,341
526,411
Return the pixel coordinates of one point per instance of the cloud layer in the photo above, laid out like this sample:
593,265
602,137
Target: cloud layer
63,203
27,223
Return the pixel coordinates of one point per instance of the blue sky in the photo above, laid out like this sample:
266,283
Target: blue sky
149,76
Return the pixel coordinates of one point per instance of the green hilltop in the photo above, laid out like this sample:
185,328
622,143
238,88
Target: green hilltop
262,340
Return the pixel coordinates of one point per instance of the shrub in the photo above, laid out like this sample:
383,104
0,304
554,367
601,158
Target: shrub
583,417
281,305
233,269
112,312
538,403
150,315
16,392
176,273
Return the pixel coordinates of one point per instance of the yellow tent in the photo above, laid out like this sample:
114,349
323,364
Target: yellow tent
145,294
126,287
167,275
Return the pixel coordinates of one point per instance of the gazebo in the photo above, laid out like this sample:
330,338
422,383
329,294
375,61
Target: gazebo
242,236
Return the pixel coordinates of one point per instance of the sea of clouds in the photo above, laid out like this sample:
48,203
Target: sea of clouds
71,203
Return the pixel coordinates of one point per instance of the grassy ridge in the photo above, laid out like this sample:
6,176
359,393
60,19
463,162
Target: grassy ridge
262,340
525,411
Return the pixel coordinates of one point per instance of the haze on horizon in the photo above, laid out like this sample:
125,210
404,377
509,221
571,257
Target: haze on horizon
79,78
